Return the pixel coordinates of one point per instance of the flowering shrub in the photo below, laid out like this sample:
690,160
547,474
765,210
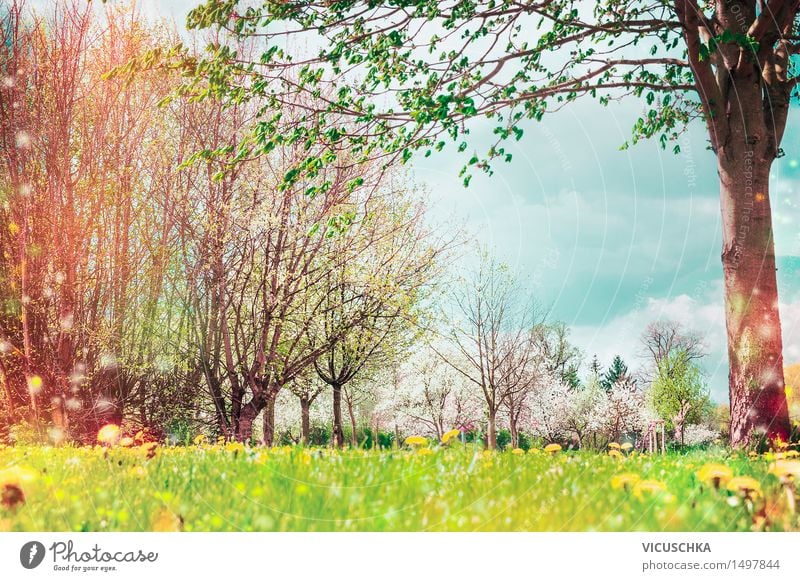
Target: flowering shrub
698,434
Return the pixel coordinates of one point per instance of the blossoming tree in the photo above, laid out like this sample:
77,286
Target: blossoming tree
389,78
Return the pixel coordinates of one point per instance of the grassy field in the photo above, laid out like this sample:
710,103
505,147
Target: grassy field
233,488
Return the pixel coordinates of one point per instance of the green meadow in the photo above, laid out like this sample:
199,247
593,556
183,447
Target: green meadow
235,488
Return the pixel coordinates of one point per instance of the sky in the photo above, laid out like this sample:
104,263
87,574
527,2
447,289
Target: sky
610,240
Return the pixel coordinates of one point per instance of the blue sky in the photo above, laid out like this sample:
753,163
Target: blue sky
615,239
610,239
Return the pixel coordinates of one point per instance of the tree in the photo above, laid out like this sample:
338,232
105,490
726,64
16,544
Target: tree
407,75
494,334
86,269
560,356
678,393
307,387
385,264
623,410
434,398
616,373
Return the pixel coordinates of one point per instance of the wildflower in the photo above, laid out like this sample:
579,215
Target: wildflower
200,439
137,472
745,485
780,444
792,454
126,442
108,434
613,445
518,451
615,453
425,451
715,474
552,448
12,480
786,470
167,521
624,481
447,436
416,441
648,487
234,447
11,496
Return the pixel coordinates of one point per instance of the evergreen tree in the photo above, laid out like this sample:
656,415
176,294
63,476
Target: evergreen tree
617,372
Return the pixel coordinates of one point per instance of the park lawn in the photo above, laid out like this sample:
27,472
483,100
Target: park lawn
233,488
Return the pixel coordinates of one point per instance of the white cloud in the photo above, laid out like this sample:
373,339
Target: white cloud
703,313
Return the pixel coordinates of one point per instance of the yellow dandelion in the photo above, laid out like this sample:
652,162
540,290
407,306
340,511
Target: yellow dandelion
645,487
200,439
624,481
447,436
234,447
786,470
425,451
108,434
615,453
167,521
715,474
792,454
613,445
518,451
416,441
126,442
745,486
552,448
137,472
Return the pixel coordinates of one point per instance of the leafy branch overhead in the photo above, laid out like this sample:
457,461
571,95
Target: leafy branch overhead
387,79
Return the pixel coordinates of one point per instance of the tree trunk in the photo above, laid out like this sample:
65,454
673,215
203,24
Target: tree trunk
244,424
491,436
269,422
756,382
514,434
305,420
338,434
353,434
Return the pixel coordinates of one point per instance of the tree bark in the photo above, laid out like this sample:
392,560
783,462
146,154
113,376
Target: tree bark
755,350
353,434
244,422
269,422
338,435
305,420
491,435
514,433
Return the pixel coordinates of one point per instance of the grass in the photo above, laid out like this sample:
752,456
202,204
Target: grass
232,488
